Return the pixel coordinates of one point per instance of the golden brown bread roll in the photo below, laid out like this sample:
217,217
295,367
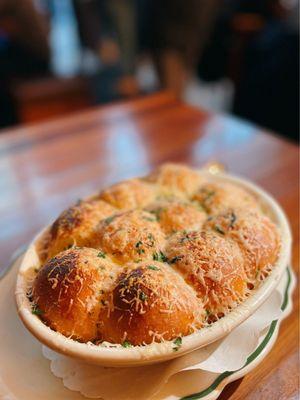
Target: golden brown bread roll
216,197
256,235
213,265
131,235
176,179
159,257
68,289
74,227
174,216
150,302
133,193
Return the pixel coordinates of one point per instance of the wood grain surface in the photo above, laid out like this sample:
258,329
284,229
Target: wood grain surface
45,167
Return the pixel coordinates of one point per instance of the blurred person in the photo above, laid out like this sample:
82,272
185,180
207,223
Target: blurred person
108,28
179,32
267,91
24,50
123,16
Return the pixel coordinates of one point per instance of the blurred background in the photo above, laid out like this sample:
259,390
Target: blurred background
237,56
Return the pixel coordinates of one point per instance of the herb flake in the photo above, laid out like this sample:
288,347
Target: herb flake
159,256
175,259
218,229
151,239
143,296
153,219
232,219
177,342
138,247
108,220
36,310
69,246
157,212
152,267
101,254
126,344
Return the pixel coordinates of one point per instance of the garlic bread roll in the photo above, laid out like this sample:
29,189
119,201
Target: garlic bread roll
216,197
131,235
256,235
68,289
133,193
213,265
74,227
151,302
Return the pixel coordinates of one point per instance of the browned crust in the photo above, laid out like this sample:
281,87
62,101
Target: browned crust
213,265
191,254
149,305
74,226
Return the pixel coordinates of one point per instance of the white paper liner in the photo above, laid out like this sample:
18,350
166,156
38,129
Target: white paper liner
227,354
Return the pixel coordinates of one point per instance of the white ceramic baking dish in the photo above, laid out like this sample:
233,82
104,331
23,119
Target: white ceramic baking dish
116,355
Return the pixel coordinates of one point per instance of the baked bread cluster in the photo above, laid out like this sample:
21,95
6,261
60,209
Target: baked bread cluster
152,259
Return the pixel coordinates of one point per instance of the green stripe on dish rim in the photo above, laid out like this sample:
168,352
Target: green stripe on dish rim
252,356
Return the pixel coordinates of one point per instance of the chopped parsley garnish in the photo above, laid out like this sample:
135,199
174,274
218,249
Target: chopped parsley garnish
157,212
207,312
138,247
36,310
153,267
126,344
186,237
159,257
69,247
175,259
109,219
101,254
232,219
200,207
218,229
207,196
149,219
178,343
29,295
208,193
196,205
151,238
143,296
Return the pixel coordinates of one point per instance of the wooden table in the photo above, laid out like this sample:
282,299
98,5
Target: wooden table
46,167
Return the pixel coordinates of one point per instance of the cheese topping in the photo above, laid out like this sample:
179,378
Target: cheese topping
152,259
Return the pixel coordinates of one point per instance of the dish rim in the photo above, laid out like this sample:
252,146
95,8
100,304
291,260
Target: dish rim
159,352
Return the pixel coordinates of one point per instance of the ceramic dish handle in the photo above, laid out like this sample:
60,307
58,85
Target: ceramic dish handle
215,167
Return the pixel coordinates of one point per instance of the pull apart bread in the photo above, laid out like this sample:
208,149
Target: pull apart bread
152,259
